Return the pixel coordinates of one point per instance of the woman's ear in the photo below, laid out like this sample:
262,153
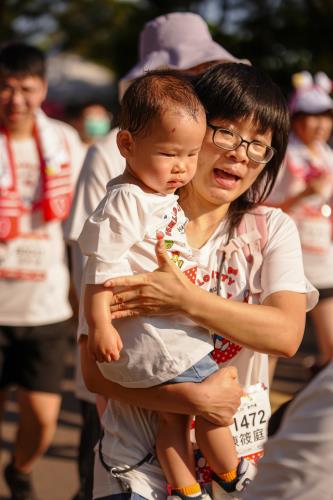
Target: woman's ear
125,143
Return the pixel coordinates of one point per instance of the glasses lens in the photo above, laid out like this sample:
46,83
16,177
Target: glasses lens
226,139
259,152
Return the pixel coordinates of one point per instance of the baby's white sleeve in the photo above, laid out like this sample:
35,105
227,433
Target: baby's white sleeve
109,233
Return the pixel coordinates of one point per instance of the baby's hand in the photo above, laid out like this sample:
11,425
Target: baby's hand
105,345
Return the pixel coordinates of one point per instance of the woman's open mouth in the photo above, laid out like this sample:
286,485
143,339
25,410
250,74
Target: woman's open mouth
225,179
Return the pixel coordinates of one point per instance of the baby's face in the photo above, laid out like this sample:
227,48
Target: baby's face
166,157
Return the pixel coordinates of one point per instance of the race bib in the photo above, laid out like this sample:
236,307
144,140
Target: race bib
315,234
249,429
25,258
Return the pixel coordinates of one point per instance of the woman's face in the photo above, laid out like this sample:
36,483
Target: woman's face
222,176
313,128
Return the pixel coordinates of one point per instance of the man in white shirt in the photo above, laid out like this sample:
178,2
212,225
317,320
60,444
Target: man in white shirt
39,163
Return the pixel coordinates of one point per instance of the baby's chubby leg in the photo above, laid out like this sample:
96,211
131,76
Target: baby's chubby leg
174,450
217,445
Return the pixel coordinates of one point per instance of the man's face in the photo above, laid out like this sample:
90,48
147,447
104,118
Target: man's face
19,99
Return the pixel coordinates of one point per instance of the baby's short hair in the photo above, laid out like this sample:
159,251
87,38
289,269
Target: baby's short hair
150,95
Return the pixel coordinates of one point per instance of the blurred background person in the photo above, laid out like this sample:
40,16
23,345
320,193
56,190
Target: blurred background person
39,163
304,189
179,40
298,460
91,120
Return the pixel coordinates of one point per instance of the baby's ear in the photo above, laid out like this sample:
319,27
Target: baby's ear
125,143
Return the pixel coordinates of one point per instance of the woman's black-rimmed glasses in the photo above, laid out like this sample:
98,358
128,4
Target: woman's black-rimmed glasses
229,139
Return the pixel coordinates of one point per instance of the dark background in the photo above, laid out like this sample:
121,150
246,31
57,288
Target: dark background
280,36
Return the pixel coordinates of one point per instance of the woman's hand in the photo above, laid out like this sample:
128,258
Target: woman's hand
222,394
162,292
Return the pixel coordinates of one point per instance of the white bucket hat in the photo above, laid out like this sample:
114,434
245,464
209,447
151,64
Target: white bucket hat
179,40
312,94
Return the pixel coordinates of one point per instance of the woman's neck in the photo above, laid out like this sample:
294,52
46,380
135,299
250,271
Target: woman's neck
204,217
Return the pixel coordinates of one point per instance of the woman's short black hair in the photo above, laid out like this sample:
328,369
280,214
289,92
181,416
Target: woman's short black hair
150,95
235,91
20,60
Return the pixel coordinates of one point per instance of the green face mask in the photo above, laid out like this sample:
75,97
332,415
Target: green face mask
96,127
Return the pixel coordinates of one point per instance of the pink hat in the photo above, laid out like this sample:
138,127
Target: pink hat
312,94
179,40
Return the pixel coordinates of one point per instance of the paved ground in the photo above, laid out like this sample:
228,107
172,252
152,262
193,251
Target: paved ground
55,475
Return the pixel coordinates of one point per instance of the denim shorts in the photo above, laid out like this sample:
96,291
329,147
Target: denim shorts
198,372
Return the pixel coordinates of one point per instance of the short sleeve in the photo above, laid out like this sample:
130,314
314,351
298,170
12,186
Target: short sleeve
283,262
117,224
102,163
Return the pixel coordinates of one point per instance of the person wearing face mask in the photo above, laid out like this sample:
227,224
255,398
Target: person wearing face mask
91,120
304,189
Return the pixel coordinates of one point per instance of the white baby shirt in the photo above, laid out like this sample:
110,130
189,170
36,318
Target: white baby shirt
119,239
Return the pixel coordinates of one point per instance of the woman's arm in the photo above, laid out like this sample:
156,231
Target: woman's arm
275,327
216,399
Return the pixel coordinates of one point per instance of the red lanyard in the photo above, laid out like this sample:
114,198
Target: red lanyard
12,164
42,161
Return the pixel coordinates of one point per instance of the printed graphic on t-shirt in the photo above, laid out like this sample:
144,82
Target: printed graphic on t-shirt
224,349
25,258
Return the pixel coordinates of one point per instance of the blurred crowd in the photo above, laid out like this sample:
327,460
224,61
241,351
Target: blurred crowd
53,174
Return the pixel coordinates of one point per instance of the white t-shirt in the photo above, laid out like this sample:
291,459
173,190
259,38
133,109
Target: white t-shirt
119,239
130,432
298,460
41,248
300,166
